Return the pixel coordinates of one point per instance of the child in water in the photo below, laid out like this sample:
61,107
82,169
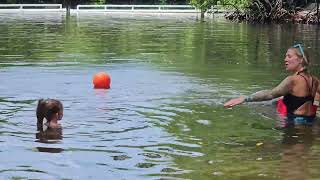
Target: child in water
52,110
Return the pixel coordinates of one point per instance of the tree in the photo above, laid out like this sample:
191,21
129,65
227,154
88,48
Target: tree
203,5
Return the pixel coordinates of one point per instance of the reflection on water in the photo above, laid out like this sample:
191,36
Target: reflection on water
49,150
297,154
163,116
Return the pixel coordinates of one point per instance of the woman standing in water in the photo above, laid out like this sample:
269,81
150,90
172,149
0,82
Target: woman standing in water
298,89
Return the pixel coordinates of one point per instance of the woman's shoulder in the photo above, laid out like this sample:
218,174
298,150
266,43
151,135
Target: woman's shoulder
302,77
291,78
298,78
294,79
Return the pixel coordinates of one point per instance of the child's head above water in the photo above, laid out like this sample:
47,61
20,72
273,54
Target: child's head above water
51,110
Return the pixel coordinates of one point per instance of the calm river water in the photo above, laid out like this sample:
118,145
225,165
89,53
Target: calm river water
163,116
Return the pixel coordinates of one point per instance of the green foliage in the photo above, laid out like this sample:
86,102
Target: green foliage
203,5
163,2
237,3
99,2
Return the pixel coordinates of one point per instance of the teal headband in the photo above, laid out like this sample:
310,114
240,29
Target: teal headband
300,49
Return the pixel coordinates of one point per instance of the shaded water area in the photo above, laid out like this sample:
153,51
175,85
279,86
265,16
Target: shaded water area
163,116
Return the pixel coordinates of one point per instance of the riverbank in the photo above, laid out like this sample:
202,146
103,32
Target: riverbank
276,14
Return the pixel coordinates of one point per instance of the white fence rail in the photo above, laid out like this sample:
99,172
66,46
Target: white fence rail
138,8
108,8
31,7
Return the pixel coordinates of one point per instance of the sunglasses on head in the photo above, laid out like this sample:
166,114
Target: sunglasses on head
300,48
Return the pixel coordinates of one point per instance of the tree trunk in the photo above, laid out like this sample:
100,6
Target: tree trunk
202,15
67,5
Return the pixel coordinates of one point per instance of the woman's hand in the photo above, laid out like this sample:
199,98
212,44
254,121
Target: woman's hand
234,102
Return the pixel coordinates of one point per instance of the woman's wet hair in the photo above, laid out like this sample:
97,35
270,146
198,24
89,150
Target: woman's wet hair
302,53
47,108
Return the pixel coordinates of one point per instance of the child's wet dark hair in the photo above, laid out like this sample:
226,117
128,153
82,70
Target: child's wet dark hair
47,108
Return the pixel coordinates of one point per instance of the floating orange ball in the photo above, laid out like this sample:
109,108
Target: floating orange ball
101,80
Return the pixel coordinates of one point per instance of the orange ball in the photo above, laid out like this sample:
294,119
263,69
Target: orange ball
101,80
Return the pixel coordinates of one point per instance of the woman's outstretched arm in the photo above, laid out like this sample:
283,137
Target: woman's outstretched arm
282,89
